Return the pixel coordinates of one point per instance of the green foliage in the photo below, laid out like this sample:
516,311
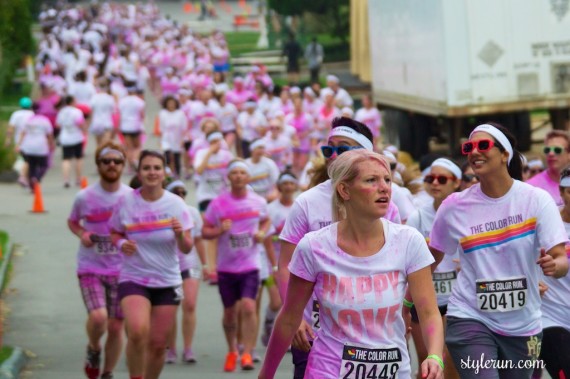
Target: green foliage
7,153
5,353
15,39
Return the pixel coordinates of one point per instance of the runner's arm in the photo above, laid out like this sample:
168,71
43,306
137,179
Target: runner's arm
282,276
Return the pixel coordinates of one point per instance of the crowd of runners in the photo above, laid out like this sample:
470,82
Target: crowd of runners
295,195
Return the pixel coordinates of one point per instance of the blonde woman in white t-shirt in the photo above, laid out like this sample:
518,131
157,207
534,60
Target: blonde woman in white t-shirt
358,268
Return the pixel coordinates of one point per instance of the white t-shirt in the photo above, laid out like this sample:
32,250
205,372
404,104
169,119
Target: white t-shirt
70,120
371,118
237,250
173,126
280,150
94,206
35,140
312,210
102,108
227,116
360,301
278,213
499,241
445,275
131,108
213,180
82,92
149,224
263,175
403,200
556,301
249,123
191,261
18,121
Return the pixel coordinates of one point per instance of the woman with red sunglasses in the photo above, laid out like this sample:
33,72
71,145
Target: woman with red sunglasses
502,229
442,180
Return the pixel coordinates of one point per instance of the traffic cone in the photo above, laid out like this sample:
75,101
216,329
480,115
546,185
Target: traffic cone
187,7
156,131
38,200
84,182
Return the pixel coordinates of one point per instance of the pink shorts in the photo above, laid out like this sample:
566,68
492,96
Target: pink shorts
101,291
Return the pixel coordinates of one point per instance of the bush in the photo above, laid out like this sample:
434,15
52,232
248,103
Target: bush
7,153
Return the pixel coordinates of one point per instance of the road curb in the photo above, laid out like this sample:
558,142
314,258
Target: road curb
12,366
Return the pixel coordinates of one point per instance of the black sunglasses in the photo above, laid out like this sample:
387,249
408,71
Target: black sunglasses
328,151
107,161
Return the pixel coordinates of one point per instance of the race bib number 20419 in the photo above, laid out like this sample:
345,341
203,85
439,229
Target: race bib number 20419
501,295
359,362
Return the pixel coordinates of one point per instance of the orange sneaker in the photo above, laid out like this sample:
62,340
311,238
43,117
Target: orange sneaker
231,362
247,362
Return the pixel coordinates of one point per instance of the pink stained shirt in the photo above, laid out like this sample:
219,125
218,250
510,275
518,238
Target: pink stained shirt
237,249
544,181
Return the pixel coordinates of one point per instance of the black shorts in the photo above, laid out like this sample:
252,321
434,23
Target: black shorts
414,313
203,205
73,151
131,134
293,67
156,296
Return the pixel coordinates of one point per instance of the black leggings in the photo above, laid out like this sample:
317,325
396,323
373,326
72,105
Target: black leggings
555,352
38,165
173,157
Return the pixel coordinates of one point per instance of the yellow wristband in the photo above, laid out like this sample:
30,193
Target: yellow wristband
437,359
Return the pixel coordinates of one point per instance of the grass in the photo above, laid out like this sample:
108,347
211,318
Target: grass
5,353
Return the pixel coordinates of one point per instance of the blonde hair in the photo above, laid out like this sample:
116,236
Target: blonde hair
344,169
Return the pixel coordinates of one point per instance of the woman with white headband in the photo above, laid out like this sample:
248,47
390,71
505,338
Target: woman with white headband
312,211
442,180
358,268
505,232
238,219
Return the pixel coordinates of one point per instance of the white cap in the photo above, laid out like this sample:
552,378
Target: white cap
332,78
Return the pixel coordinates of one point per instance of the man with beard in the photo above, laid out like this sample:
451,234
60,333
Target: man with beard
98,261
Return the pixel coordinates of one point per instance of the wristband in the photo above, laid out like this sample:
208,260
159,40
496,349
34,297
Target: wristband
204,266
120,243
437,359
408,303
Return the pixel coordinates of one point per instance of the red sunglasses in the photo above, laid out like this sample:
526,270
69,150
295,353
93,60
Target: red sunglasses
482,145
441,179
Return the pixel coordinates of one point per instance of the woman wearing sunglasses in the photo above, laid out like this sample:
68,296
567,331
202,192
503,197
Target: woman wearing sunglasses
192,268
358,269
504,231
149,226
441,181
312,210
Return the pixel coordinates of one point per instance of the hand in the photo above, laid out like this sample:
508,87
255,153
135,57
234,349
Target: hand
431,369
226,225
300,340
177,228
129,248
86,239
259,236
547,263
205,274
215,146
542,288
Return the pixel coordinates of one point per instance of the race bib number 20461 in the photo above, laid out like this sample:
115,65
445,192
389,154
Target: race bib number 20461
359,362
501,295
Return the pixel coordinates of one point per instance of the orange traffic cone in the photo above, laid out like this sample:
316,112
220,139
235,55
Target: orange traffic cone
187,7
156,131
84,182
38,200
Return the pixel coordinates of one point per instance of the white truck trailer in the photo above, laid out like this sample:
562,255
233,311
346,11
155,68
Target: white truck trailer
441,66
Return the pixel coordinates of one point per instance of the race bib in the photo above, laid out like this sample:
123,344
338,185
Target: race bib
214,183
359,362
242,240
103,245
501,295
315,315
443,282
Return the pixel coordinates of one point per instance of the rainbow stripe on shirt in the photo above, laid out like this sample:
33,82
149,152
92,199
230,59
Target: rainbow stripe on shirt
99,217
241,216
215,166
152,226
498,237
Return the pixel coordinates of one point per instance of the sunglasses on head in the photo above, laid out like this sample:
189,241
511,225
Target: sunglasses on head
481,145
107,161
469,178
553,149
328,151
441,179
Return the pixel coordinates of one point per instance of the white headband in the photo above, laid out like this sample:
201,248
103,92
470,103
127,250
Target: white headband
287,178
389,155
345,131
175,184
448,165
255,144
498,135
238,164
565,182
214,136
108,150
250,104
535,163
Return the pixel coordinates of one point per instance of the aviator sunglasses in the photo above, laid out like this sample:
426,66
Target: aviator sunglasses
328,151
441,179
481,145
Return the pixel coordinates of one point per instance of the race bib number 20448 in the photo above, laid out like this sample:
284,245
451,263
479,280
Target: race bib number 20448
359,362
501,295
